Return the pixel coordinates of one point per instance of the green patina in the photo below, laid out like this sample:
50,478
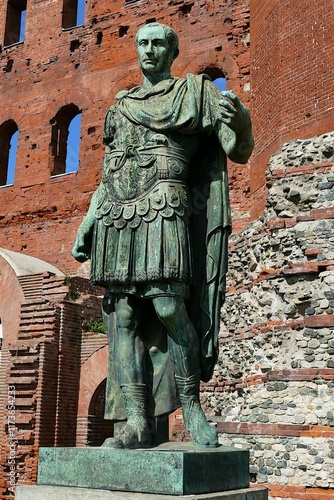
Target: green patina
156,232
184,472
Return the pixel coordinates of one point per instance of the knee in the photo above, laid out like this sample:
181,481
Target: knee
125,319
168,311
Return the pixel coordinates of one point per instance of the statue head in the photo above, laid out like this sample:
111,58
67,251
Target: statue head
170,34
157,47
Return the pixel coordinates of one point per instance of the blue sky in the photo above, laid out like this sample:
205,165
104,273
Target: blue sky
81,12
73,144
22,26
220,83
12,157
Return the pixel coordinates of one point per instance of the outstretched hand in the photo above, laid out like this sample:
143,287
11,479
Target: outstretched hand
233,112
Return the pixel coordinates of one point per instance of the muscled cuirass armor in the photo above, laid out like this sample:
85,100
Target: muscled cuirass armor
144,176
143,206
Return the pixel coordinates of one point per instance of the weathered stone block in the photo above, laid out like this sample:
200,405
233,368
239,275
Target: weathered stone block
182,471
61,492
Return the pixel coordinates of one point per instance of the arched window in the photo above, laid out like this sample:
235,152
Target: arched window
73,13
217,76
65,140
8,147
15,22
98,428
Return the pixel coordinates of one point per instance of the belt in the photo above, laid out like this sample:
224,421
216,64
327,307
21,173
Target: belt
146,155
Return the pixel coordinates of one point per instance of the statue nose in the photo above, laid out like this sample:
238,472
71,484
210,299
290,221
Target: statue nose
149,48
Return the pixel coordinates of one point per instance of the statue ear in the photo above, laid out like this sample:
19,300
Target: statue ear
176,53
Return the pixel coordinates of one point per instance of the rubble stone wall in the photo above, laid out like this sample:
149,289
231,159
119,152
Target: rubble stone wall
273,387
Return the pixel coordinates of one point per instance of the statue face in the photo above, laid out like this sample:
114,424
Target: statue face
154,53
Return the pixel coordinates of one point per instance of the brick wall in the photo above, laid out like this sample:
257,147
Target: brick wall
29,385
292,47
86,66
40,372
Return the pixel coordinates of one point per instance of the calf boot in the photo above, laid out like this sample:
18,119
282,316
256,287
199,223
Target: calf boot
136,432
202,433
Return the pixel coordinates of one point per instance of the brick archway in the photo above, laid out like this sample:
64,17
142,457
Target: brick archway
92,429
40,364
81,99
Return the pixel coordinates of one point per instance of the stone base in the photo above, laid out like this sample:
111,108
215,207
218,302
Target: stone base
62,493
169,469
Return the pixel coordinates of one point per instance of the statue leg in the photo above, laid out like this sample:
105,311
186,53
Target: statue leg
130,364
184,351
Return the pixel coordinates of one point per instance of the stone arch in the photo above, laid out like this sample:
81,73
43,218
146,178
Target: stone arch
16,113
98,428
65,98
97,403
13,268
92,429
220,64
67,105
93,372
60,137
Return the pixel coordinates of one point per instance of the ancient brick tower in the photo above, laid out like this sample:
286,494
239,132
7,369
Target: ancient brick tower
275,374
273,388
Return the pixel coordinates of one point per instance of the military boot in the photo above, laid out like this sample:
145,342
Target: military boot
202,433
136,432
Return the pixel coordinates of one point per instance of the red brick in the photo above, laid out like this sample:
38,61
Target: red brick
291,222
276,224
313,251
304,170
319,321
299,492
317,431
301,268
322,213
262,429
283,98
300,374
317,214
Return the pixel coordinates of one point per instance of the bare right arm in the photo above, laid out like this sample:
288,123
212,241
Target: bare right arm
83,243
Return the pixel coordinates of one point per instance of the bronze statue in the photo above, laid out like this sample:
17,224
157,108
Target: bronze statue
156,232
